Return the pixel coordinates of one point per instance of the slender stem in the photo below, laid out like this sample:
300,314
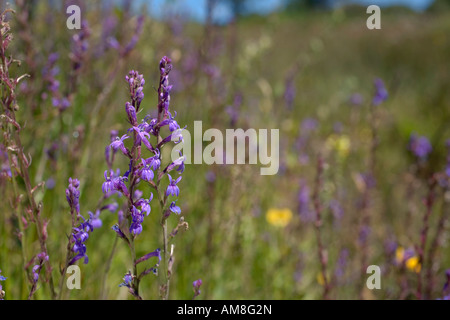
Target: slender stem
318,225
108,266
429,201
434,247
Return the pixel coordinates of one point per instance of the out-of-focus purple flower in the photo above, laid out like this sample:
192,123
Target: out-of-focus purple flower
308,125
210,176
96,222
342,263
445,181
381,93
61,103
80,45
336,209
356,99
304,209
73,195
364,234
446,288
135,37
50,183
289,92
172,188
420,146
233,110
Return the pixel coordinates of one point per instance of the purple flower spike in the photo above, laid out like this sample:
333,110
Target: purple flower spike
420,146
172,188
381,93
73,195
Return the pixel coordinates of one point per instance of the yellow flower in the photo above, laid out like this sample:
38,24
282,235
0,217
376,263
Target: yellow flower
340,144
320,279
399,255
279,217
413,264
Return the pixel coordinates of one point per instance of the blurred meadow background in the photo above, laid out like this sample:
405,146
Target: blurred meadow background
376,173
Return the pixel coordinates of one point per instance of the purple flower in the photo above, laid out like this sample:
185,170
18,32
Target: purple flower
127,279
304,209
145,204
137,33
154,162
80,45
381,93
336,209
131,113
96,222
136,221
73,195
174,208
165,66
146,173
2,293
80,235
114,183
420,146
118,144
173,125
308,125
142,137
118,231
447,283
172,188
197,284
289,92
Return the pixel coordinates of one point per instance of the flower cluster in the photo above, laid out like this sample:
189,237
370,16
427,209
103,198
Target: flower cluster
41,259
144,138
407,258
73,195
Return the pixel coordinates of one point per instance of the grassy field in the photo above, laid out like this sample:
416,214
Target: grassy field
250,236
